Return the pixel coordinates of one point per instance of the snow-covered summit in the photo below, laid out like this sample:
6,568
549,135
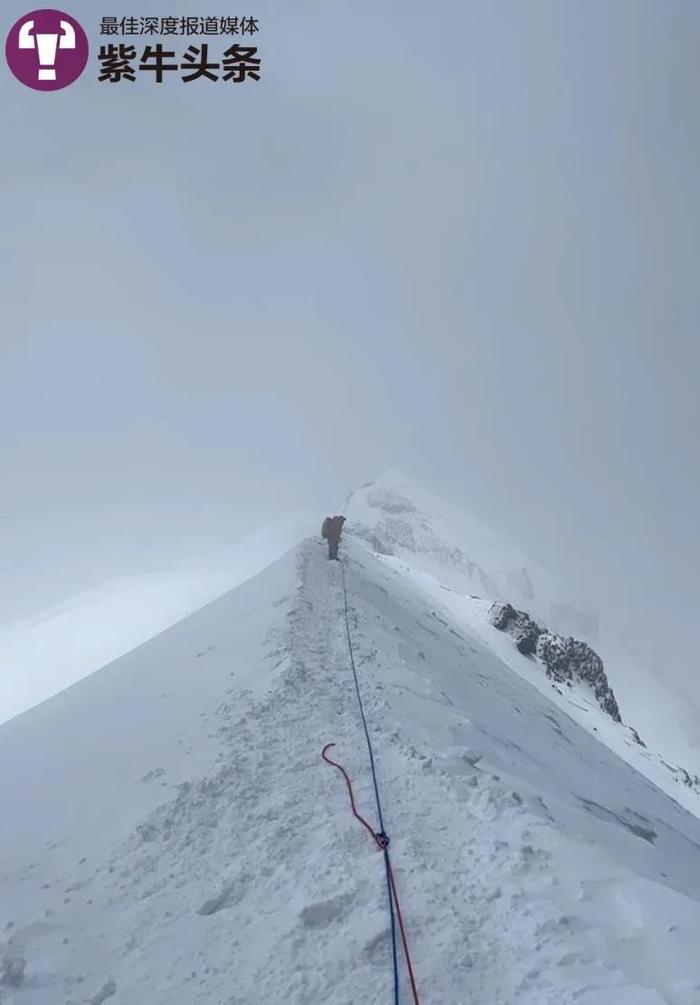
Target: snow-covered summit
397,516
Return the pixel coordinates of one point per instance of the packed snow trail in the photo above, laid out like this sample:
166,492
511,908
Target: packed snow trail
380,836
535,866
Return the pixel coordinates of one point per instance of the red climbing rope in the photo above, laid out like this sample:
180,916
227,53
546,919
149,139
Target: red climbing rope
382,842
404,938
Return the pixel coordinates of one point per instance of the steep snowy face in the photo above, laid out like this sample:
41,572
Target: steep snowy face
428,539
42,655
398,517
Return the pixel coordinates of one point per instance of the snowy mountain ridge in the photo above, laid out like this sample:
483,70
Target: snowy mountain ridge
447,550
169,832
398,517
42,654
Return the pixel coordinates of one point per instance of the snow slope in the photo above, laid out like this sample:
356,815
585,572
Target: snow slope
399,517
449,549
41,655
169,832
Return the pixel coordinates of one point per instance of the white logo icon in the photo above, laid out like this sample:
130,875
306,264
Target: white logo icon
46,46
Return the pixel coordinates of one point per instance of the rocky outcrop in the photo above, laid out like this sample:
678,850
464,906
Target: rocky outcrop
570,660
520,625
502,616
566,660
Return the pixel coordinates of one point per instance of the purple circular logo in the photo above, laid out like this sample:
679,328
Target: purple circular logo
47,50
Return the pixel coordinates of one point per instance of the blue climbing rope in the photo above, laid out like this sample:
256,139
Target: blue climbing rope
381,833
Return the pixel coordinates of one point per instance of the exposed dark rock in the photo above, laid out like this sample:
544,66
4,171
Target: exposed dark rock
566,660
571,660
520,625
527,644
502,615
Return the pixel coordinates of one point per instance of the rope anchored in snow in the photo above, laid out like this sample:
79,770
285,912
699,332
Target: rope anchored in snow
380,837
382,842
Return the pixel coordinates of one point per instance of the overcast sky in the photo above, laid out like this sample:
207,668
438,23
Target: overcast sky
458,240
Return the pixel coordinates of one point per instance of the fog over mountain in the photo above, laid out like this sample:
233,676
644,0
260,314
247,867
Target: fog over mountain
460,243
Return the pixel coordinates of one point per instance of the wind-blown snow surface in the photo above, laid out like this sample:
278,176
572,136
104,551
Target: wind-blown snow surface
169,832
41,655
446,548
399,517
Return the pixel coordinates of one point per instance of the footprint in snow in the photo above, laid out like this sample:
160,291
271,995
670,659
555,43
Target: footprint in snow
326,910
152,775
377,948
223,899
106,991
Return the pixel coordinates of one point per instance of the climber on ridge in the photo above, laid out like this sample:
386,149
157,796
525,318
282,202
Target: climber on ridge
331,530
